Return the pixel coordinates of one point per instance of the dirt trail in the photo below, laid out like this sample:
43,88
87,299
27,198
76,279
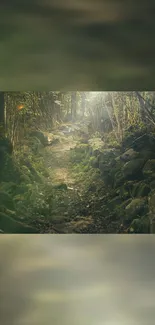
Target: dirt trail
65,216
59,164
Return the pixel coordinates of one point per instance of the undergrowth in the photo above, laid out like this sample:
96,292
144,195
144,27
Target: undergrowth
25,191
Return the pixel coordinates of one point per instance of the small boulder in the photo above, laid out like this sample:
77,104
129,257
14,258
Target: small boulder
115,202
149,168
119,179
133,169
41,136
141,225
152,185
140,189
151,201
136,208
129,155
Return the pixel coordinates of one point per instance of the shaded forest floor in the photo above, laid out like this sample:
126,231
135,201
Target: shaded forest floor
69,211
79,183
79,192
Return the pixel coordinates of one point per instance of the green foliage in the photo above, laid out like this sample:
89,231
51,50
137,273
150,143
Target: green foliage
141,225
23,190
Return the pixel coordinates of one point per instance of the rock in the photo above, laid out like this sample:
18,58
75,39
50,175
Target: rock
119,179
125,203
6,201
5,146
60,187
149,168
119,210
141,225
106,174
41,136
136,208
11,226
133,169
129,155
144,142
151,201
152,185
79,224
112,204
108,154
126,189
147,154
131,134
140,189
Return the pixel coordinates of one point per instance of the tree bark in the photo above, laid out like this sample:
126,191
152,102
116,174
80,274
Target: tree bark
73,105
2,114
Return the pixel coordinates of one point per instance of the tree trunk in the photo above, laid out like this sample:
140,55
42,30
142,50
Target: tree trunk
73,105
2,114
83,103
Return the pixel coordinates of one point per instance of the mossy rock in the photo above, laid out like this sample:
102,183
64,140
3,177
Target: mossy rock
136,208
10,226
8,187
106,175
125,190
147,154
61,186
133,169
140,189
145,141
152,185
125,203
41,136
108,155
114,203
120,210
6,201
119,179
35,145
128,155
131,134
9,171
6,145
141,225
149,168
31,172
151,201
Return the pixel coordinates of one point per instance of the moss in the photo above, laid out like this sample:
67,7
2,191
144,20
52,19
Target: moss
94,162
41,136
151,200
114,203
136,208
152,185
133,168
125,190
149,168
6,200
119,179
11,226
140,190
141,225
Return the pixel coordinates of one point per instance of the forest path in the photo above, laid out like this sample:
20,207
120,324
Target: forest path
65,216
59,163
